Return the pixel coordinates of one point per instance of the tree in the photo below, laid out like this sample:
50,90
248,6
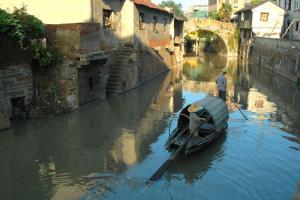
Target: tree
225,12
256,1
176,9
213,15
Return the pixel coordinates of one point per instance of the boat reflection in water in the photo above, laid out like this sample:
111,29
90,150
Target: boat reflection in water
192,168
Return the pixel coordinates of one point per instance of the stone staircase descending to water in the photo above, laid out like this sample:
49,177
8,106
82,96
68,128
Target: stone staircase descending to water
119,67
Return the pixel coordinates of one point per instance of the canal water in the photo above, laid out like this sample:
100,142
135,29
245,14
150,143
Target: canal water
108,150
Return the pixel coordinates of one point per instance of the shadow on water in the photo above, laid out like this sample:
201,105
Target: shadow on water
54,155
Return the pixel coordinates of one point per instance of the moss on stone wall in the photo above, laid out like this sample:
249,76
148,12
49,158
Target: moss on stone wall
233,40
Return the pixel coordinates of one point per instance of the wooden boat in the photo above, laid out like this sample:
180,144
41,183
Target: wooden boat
214,111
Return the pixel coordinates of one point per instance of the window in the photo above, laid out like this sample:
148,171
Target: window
297,26
155,24
107,19
297,5
288,4
264,17
242,17
142,21
165,24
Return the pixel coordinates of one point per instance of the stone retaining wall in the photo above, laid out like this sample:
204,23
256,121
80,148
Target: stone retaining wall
279,56
17,82
4,119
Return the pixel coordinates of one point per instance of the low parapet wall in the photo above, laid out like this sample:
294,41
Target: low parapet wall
279,56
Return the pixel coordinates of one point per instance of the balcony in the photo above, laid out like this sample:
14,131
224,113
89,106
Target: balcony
245,24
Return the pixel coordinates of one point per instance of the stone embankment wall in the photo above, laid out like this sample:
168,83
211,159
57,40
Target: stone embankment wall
279,56
17,85
4,119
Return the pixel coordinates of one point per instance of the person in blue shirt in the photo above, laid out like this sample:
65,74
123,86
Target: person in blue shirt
222,84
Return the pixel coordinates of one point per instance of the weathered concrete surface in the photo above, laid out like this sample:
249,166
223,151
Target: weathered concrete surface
92,82
129,67
279,56
152,35
83,75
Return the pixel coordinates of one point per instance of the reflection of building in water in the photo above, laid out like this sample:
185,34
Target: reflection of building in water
105,137
206,87
258,103
131,144
261,91
125,149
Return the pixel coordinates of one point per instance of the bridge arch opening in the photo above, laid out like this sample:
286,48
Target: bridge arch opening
205,41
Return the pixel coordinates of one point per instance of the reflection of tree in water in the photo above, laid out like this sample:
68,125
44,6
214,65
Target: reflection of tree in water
206,68
195,166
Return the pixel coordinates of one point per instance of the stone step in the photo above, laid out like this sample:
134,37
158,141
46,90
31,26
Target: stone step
119,66
113,93
112,88
114,84
120,73
116,79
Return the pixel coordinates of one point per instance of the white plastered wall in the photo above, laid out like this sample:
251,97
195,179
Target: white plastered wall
271,28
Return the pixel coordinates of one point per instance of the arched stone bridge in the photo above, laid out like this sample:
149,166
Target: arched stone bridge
227,32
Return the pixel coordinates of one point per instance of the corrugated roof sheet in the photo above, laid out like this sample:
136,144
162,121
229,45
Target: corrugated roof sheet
149,4
218,110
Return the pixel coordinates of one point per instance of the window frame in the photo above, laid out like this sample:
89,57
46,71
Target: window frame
142,21
107,23
264,17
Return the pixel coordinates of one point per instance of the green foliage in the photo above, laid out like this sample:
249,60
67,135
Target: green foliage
233,40
256,1
46,55
225,12
187,38
213,15
20,26
298,81
176,9
24,28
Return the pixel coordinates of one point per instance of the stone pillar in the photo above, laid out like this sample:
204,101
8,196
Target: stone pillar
197,47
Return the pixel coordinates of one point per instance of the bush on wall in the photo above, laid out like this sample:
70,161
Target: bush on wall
23,28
